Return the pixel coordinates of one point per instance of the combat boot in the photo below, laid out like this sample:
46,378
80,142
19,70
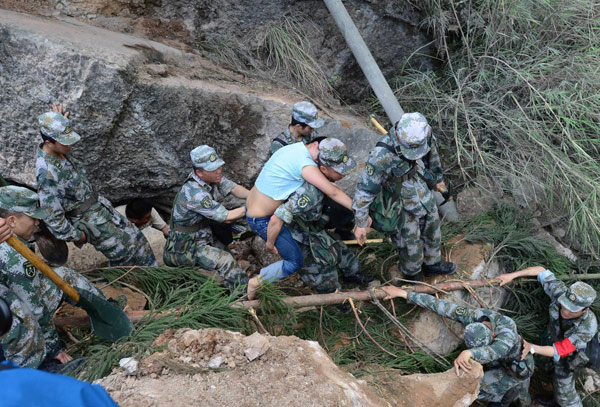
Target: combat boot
546,401
441,268
412,279
507,400
358,278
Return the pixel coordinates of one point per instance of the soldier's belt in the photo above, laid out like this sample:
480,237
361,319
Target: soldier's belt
188,229
81,209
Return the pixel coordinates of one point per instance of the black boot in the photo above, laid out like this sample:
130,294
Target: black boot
509,397
547,401
358,278
412,279
441,268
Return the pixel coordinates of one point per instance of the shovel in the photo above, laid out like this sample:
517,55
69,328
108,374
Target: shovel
107,320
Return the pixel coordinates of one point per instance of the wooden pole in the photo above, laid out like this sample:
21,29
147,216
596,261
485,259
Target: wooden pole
302,300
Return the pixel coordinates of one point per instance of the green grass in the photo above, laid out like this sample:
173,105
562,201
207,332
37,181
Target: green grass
516,99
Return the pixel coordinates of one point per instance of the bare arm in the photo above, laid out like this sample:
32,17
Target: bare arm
240,192
235,214
165,230
273,229
528,272
313,175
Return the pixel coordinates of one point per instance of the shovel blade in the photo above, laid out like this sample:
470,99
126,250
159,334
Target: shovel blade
107,319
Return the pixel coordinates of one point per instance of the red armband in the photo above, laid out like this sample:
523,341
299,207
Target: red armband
564,347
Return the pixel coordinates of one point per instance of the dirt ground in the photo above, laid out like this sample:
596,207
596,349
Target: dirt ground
213,367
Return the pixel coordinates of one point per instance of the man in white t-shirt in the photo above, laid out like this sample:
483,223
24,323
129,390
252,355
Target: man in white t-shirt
142,214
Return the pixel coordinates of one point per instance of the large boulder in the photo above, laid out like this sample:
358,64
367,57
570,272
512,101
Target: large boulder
140,107
475,262
233,31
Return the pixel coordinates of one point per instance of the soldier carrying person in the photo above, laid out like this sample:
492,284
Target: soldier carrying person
77,213
303,215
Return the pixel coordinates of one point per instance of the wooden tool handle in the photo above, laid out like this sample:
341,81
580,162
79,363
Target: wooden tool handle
378,126
43,267
366,241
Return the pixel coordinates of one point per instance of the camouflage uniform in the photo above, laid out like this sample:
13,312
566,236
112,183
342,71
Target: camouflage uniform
190,237
32,297
64,189
303,112
418,236
306,205
569,336
501,356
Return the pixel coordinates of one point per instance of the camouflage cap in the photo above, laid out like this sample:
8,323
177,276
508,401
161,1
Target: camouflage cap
58,127
412,131
578,296
306,112
22,200
206,157
477,334
333,153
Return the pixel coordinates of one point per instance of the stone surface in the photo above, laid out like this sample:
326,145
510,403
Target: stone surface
137,129
430,390
292,372
478,198
232,31
443,335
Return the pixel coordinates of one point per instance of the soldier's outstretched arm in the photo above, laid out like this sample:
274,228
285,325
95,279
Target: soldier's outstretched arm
273,228
528,272
443,308
49,192
394,292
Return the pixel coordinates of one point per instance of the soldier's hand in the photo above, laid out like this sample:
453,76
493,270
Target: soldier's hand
393,292
361,235
59,109
63,357
271,248
4,230
83,239
441,187
463,361
526,349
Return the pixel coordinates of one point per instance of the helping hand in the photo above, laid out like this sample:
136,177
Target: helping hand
59,109
463,361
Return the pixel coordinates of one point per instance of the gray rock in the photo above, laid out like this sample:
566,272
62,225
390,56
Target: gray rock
235,27
138,125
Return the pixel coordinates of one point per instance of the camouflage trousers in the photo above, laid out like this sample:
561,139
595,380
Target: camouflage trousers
116,237
419,240
188,252
563,381
322,278
32,336
495,383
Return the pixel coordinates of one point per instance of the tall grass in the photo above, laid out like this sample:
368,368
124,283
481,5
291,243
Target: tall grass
517,98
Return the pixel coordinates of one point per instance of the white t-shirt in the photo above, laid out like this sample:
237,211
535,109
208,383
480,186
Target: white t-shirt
155,220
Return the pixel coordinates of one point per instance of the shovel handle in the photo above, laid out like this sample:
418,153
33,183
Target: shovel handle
378,126
43,267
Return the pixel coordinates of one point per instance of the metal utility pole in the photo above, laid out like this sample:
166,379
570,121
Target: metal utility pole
365,60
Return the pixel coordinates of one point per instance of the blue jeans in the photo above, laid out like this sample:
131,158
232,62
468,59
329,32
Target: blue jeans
285,244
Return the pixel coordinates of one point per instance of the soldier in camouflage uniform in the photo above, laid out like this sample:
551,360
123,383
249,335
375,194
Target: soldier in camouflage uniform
305,120
77,213
403,163
190,241
492,340
572,326
32,297
304,218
